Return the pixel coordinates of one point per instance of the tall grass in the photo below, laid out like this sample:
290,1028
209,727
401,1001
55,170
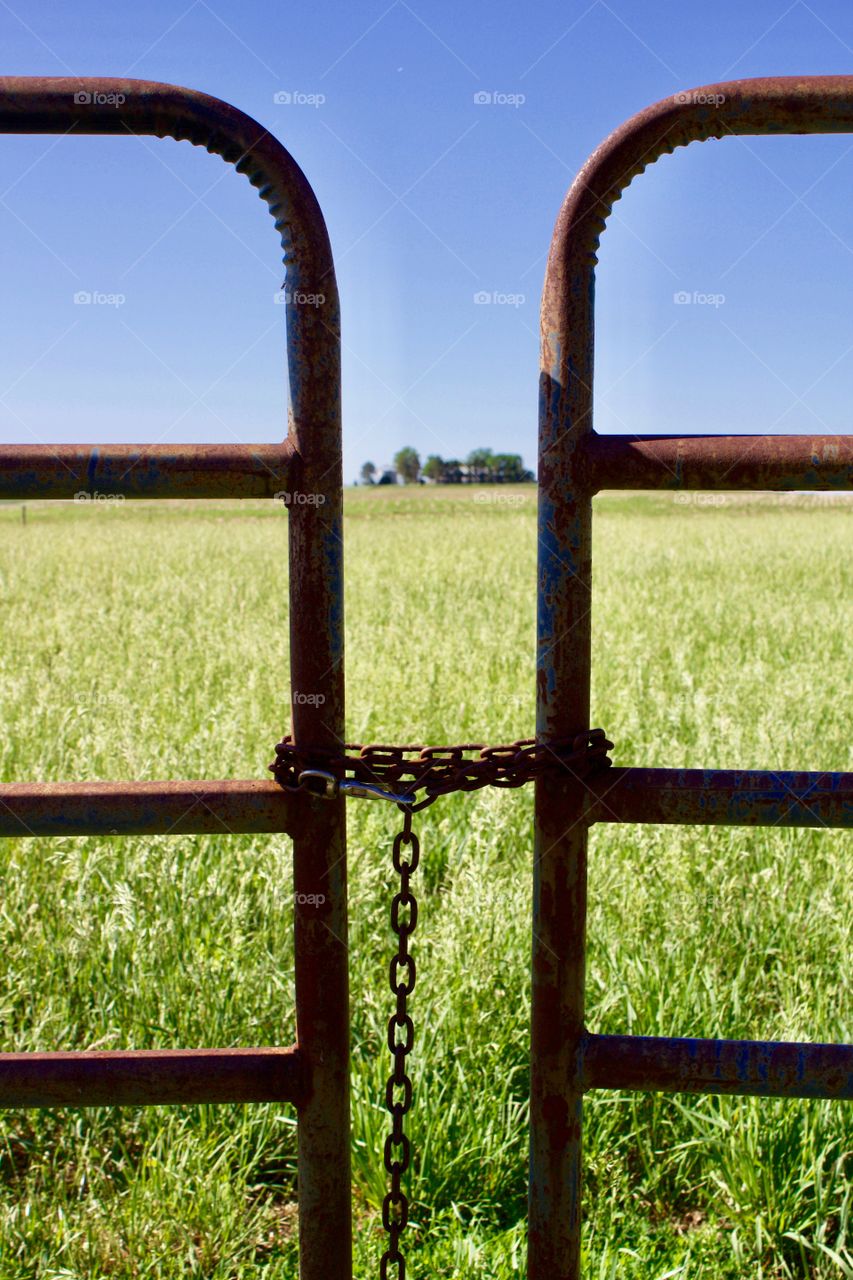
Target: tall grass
149,641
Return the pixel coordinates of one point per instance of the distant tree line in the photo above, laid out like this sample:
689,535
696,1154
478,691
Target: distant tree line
482,466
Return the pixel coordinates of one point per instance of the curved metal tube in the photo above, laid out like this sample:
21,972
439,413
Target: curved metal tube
780,105
89,105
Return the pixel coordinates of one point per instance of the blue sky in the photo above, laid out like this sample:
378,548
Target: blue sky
431,198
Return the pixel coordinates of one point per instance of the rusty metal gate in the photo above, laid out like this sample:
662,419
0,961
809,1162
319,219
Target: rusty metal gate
314,1076
574,462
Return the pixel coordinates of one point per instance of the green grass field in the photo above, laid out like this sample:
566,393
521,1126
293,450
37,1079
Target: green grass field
150,641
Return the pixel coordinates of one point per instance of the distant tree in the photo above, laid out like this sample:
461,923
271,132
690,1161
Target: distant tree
368,473
480,458
509,468
433,468
408,464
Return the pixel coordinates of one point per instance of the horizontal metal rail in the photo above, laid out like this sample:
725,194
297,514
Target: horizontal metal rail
145,471
147,808
716,462
749,798
769,1069
152,1077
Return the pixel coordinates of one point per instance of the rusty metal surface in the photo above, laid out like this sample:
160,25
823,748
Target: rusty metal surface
773,105
73,105
439,771
769,1069
322,1016
717,462
146,808
144,471
739,798
785,105
153,1077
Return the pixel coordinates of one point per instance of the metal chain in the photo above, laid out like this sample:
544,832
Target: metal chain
397,774
401,1038
436,771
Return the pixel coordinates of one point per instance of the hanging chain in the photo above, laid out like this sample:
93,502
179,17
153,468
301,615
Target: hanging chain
401,1038
397,774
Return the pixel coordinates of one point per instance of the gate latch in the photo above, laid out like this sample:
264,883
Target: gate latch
331,787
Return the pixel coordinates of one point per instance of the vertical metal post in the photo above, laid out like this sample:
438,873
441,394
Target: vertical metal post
320,868
559,879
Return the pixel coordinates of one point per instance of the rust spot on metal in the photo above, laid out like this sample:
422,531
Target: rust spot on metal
145,808
769,1069
555,1113
145,471
726,797
718,462
152,1077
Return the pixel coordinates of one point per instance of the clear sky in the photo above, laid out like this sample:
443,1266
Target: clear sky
431,198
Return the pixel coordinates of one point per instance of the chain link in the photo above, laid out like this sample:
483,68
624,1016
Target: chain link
401,1038
437,771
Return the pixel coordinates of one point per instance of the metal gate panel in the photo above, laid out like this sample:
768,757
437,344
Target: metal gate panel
574,463
315,1073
